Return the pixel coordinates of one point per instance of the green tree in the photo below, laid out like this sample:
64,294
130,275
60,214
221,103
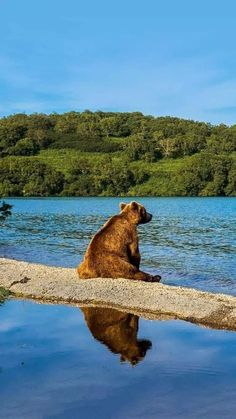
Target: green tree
203,175
230,189
29,177
23,147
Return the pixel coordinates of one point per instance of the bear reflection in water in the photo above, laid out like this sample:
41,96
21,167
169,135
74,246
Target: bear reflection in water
118,331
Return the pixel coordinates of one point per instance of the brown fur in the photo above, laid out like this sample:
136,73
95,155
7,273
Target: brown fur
113,252
118,331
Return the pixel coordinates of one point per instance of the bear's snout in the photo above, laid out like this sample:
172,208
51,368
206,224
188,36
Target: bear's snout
147,218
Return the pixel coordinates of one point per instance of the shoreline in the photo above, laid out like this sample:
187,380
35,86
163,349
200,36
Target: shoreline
48,284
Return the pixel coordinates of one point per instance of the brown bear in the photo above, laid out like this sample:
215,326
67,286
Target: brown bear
113,252
118,331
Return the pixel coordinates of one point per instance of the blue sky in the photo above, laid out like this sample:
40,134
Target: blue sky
172,57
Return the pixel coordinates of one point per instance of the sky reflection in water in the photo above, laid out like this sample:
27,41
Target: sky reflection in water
54,364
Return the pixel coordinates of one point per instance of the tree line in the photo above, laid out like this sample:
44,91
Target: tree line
131,146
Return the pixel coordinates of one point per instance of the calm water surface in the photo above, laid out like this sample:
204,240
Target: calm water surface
57,362
190,241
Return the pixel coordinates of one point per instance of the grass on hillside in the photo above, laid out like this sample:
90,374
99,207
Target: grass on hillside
161,182
160,171
63,159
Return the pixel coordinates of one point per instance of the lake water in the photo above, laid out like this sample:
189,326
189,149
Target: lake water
54,364
190,241
58,361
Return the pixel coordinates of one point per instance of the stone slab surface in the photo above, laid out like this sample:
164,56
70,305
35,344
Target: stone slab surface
151,300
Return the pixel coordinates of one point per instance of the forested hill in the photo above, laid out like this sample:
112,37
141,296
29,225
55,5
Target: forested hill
109,154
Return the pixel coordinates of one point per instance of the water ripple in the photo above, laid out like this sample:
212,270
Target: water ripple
190,241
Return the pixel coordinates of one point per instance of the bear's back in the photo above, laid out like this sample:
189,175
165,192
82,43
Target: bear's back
113,236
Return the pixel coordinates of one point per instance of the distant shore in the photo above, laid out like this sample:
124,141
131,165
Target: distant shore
115,154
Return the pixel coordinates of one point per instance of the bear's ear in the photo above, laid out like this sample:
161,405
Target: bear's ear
134,205
122,206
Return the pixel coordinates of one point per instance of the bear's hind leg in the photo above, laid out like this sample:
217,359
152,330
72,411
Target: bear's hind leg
119,268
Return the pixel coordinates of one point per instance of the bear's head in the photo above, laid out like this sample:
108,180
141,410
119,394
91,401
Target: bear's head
135,353
136,212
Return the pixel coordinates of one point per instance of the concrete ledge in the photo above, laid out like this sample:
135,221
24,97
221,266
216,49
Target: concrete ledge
151,300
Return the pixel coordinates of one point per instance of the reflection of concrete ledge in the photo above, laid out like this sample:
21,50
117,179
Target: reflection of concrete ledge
151,300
